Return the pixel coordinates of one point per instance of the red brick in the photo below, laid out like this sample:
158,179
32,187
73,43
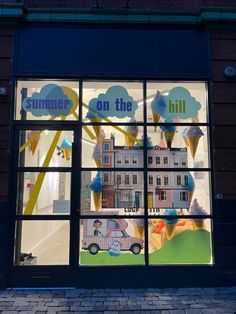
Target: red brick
224,136
6,44
5,31
223,92
6,69
4,137
4,113
225,159
223,34
3,186
4,160
225,183
223,49
224,114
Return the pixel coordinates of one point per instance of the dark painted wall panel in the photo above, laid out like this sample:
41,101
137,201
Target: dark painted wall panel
112,51
226,257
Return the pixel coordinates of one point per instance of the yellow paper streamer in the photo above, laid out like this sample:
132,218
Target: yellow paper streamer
86,129
34,195
119,129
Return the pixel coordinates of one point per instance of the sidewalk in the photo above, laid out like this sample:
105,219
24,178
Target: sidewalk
119,301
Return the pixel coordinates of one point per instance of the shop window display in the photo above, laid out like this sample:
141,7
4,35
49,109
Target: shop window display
128,148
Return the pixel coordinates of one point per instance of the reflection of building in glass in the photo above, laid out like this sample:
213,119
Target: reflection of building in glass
125,189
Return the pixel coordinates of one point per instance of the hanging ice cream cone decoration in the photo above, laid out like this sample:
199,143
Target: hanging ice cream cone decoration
96,188
156,118
195,210
170,222
157,106
193,135
66,148
102,136
161,143
131,133
97,155
34,142
186,141
169,133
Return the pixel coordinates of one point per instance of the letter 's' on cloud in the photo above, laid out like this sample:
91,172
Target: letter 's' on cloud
50,101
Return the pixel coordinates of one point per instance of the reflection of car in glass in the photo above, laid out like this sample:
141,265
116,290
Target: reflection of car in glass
100,234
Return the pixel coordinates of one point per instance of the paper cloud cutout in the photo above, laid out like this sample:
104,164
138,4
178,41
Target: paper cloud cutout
52,101
116,102
177,104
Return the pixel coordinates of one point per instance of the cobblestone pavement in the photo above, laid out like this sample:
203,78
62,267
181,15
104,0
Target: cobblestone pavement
119,301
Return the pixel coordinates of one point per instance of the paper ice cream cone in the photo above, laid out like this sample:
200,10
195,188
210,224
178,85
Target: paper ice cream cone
156,119
97,197
99,163
139,231
193,144
190,196
169,138
170,229
66,153
198,224
186,141
33,145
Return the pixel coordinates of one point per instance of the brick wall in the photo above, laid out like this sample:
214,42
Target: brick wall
223,53
6,54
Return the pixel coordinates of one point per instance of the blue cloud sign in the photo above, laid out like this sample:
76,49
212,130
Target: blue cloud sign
116,102
50,101
177,104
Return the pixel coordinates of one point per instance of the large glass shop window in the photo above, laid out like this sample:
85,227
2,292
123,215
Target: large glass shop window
144,175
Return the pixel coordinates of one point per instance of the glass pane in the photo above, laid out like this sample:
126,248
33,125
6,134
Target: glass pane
45,148
112,193
42,243
112,102
47,100
178,147
177,102
116,147
112,241
180,241
179,190
43,193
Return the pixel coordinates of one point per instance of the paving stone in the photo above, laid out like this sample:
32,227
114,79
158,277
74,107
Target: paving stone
98,301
